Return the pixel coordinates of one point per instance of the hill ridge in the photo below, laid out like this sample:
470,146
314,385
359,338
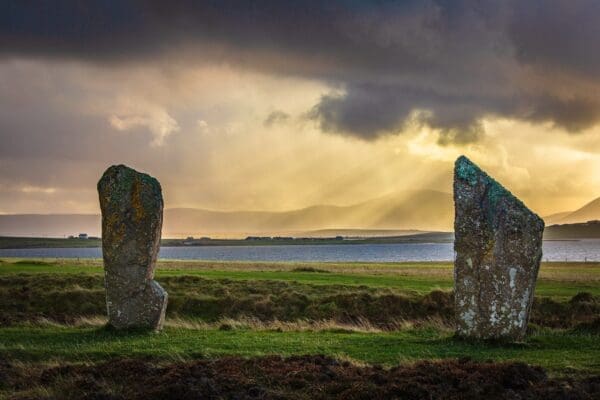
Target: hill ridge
588,212
425,210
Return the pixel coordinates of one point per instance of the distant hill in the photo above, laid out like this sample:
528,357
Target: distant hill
357,233
586,230
49,225
418,210
556,218
425,210
589,212
397,214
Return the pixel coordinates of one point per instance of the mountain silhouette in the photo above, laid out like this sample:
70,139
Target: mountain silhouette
425,210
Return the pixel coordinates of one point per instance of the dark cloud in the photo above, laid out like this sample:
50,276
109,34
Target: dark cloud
558,34
276,117
574,114
451,63
369,111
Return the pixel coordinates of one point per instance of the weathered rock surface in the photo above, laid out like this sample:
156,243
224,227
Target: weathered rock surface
132,208
498,245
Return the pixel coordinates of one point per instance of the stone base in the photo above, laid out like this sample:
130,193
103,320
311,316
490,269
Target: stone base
144,309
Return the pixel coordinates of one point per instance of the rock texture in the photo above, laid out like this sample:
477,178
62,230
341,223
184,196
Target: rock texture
132,207
498,245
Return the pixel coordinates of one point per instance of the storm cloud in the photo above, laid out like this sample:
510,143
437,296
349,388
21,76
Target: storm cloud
444,64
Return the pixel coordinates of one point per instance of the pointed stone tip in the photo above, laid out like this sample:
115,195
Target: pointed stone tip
463,161
466,171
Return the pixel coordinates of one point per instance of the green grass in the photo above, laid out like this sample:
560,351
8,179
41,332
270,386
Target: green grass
210,291
380,294
557,351
559,280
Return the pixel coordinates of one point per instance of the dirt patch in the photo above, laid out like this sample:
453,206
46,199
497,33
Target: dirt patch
32,262
310,269
303,377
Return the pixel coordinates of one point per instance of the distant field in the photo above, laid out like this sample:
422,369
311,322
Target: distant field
365,313
556,279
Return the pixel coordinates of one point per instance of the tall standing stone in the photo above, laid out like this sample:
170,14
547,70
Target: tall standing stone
132,208
498,245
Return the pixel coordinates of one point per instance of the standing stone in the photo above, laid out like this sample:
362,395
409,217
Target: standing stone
498,245
132,208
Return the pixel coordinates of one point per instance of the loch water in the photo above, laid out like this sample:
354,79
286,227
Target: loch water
556,250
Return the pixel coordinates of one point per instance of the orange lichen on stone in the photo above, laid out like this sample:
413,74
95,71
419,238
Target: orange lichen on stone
132,206
136,200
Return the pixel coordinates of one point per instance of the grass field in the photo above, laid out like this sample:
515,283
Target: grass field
560,352
557,279
364,313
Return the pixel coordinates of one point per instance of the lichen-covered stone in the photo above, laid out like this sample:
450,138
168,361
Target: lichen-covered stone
498,245
132,213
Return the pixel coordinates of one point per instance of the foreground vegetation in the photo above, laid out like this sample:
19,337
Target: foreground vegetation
362,313
561,352
384,296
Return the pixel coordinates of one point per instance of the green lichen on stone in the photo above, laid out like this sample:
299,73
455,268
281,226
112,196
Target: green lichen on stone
466,170
469,172
495,193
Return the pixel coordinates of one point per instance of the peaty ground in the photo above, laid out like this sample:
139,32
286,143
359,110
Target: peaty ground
253,330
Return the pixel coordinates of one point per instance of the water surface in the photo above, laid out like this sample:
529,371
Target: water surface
567,250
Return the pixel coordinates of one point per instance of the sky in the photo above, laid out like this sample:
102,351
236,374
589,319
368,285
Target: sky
271,105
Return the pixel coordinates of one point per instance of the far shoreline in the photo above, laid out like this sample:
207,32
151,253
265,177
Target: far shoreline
15,243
